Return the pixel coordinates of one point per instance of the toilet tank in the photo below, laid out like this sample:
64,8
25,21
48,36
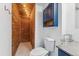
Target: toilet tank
49,44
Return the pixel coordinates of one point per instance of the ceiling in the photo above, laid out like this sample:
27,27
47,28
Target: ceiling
25,9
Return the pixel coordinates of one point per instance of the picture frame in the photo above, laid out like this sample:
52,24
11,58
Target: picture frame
50,15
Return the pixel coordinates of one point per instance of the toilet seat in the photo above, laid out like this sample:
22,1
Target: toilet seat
39,51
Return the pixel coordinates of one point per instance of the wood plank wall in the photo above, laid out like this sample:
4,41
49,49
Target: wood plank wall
32,28
16,28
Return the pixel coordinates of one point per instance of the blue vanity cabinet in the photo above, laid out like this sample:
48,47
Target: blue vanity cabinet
62,53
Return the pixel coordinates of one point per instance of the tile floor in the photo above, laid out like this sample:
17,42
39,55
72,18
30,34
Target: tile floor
24,49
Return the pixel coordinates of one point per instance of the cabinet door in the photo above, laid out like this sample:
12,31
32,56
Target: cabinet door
62,53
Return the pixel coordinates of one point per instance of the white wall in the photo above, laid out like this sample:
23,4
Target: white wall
42,32
77,15
69,20
5,31
38,27
76,31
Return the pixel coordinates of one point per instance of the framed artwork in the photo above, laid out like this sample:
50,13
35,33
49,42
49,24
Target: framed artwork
50,15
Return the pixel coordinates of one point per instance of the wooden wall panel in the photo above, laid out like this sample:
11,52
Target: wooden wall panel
16,27
25,29
32,27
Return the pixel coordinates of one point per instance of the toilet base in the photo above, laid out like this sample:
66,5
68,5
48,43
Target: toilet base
51,53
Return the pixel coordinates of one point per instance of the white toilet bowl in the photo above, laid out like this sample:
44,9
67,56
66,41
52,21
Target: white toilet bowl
49,47
39,51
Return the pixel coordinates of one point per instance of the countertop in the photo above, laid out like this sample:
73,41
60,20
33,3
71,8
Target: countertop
71,48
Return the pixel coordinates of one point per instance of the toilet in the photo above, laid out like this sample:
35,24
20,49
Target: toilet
39,51
49,47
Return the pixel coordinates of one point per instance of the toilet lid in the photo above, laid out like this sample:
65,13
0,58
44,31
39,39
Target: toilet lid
39,52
